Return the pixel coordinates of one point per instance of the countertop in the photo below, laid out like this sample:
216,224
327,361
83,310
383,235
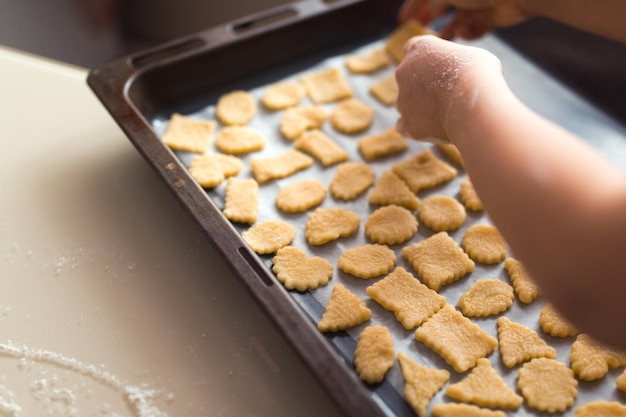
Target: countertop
111,301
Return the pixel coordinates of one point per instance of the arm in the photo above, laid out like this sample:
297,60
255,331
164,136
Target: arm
561,206
474,18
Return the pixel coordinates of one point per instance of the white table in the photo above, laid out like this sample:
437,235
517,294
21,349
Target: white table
111,301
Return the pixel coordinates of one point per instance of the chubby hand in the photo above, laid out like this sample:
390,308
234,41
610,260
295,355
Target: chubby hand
438,80
473,18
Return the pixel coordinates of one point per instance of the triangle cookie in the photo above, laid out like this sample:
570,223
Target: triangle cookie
421,383
344,310
484,387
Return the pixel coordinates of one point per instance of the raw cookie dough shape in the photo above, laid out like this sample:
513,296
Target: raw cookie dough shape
411,301
442,213
438,260
601,409
591,361
519,343
385,90
328,224
300,196
241,200
298,272
421,383
351,180
391,225
483,243
211,169
269,236
282,95
424,171
486,297
374,354
236,108
367,261
389,142
186,134
455,338
391,190
394,44
351,116
297,120
554,324
323,148
469,197
367,62
525,287
239,139
343,311
484,387
547,385
281,166
326,86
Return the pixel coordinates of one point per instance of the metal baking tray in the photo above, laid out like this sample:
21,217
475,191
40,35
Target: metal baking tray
188,76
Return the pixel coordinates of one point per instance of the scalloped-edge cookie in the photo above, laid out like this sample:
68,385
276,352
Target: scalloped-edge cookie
211,169
389,142
326,86
343,311
438,260
484,243
547,385
519,343
464,410
351,180
391,225
367,261
525,288
328,224
390,189
269,236
367,62
281,166
442,213
297,120
322,147
236,108
421,383
455,338
411,302
591,361
351,116
385,90
484,387
424,171
298,272
601,409
486,297
554,324
184,133
300,196
241,200
282,95
469,197
374,354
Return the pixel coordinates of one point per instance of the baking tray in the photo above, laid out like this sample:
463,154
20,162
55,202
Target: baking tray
188,76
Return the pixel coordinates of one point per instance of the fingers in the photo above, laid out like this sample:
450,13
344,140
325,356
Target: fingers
468,25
